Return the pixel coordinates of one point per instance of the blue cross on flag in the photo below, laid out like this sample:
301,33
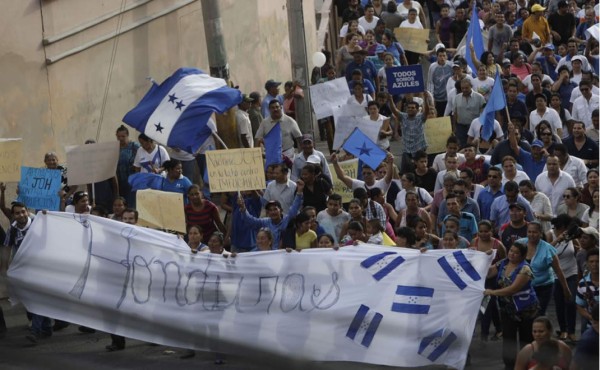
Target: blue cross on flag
176,112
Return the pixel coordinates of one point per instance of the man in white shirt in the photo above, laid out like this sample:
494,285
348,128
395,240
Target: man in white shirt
572,165
585,104
554,182
282,189
543,112
309,152
439,162
412,21
369,20
244,127
368,175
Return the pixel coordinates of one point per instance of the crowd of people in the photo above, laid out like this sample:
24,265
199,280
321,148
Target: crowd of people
529,192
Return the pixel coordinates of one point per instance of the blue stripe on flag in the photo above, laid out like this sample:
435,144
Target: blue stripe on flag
391,266
428,339
368,338
412,291
419,291
443,262
374,259
358,319
417,309
466,265
443,347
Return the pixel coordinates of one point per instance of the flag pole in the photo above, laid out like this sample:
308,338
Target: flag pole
220,140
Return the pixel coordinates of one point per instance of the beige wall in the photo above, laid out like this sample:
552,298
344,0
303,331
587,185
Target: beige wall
63,103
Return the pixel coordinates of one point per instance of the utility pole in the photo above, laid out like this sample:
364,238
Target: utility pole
300,70
217,60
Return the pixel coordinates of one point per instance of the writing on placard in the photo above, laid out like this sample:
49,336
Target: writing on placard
39,188
235,170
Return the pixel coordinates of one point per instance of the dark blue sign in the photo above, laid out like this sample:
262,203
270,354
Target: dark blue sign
405,79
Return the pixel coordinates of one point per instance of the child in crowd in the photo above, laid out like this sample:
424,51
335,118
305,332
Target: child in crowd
375,232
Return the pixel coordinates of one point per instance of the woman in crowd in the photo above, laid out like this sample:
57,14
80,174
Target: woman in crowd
51,162
572,207
202,212
358,96
368,43
351,27
355,210
127,151
543,260
544,132
588,189
405,237
150,157
385,131
175,182
450,240
293,91
565,116
542,332
81,203
355,234
517,300
194,236
510,171
593,212
485,242
488,60
566,310
424,237
344,54
119,205
393,47
305,237
325,241
409,215
540,203
264,240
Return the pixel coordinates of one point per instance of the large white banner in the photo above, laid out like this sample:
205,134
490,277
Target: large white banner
91,163
372,304
328,95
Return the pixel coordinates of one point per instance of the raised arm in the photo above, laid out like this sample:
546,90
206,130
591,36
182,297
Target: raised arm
340,173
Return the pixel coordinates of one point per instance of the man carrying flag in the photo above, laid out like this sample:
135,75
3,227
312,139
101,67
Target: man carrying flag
290,131
496,102
176,112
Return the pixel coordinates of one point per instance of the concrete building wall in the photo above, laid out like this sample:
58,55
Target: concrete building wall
86,94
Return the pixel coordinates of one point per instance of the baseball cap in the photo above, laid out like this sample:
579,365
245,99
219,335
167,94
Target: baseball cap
538,143
580,58
549,46
590,230
517,205
273,203
439,46
271,83
255,95
307,137
537,8
247,98
380,49
506,62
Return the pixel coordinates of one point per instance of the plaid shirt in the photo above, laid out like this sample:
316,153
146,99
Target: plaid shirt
413,132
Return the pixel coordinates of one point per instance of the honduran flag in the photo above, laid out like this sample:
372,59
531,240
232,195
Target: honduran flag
436,344
176,112
459,269
380,265
412,299
364,325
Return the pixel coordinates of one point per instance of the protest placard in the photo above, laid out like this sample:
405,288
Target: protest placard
327,95
349,117
160,209
412,39
91,163
437,131
11,154
39,188
235,170
405,79
350,168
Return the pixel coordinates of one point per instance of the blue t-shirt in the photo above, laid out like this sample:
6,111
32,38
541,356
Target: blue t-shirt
181,185
541,263
530,166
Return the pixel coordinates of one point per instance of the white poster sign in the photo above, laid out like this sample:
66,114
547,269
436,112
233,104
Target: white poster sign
344,126
327,95
371,304
91,163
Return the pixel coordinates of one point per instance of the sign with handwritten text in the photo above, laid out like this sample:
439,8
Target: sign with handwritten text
437,131
320,305
160,209
405,79
11,154
413,39
235,170
350,168
327,95
39,188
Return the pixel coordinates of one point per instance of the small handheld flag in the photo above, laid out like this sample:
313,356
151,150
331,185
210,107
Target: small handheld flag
496,102
359,145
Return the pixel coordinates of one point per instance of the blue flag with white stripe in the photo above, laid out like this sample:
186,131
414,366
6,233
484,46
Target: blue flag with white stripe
458,268
380,265
176,112
364,325
412,299
436,344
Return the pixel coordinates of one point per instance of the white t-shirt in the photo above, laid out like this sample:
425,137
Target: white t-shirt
344,30
407,24
483,87
362,21
155,159
549,115
475,129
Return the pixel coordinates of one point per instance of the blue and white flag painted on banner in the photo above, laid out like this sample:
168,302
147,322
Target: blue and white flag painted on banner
364,325
176,112
436,344
380,265
412,299
458,268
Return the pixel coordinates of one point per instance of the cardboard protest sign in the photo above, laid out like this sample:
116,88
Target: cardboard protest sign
327,95
11,156
235,170
412,39
39,188
350,168
405,79
161,209
437,131
90,163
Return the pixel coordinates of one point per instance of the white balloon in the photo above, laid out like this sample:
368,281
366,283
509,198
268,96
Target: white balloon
318,59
